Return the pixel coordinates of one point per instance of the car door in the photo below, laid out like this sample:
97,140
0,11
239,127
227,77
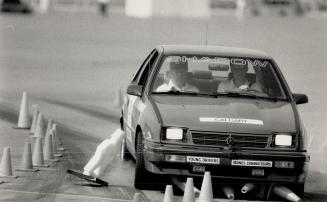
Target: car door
135,104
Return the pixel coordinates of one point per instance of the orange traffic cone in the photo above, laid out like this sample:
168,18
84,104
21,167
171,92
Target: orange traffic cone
206,189
189,191
48,152
169,194
26,163
5,165
24,121
39,130
286,193
247,188
137,197
229,192
37,157
34,120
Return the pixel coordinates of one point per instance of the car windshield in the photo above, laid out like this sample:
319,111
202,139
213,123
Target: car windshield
218,76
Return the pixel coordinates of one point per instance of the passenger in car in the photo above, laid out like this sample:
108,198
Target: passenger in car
177,78
238,81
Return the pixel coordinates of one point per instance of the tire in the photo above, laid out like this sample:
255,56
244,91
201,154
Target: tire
143,179
299,190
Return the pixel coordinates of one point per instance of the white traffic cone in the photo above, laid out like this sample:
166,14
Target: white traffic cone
39,130
48,152
229,192
54,145
189,191
169,194
24,121
105,153
5,165
206,194
35,117
118,102
49,127
247,188
37,157
286,193
57,142
26,163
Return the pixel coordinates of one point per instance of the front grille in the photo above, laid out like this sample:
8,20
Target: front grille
235,140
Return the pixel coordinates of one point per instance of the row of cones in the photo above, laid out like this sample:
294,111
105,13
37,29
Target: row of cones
38,132
206,194
29,160
37,125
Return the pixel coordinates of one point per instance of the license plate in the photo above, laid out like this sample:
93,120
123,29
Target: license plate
266,164
258,172
201,159
199,169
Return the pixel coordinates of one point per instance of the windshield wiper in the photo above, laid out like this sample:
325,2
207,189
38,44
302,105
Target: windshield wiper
244,94
177,92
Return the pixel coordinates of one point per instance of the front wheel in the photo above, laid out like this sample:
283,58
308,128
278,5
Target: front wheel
144,179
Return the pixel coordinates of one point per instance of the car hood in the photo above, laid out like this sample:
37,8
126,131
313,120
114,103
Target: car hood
226,114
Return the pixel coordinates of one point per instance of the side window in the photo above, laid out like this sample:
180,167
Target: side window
139,71
147,69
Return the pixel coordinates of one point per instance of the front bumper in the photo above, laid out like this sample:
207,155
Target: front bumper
154,155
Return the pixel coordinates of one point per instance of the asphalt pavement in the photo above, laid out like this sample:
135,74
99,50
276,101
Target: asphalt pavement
72,64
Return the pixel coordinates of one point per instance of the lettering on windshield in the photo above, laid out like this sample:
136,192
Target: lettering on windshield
219,60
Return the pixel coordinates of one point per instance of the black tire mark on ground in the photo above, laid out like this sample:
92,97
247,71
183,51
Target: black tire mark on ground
100,113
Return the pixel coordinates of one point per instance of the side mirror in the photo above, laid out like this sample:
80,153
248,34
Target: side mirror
300,98
134,89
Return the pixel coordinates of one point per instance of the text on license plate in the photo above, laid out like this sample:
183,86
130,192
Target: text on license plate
249,163
201,159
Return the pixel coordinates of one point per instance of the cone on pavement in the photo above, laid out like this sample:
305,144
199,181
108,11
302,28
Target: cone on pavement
57,142
247,188
34,120
189,191
229,192
54,145
206,194
37,157
137,197
169,194
26,163
118,102
5,165
286,193
39,130
48,152
49,127
24,121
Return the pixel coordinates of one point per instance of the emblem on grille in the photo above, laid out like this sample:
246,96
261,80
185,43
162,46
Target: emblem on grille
230,140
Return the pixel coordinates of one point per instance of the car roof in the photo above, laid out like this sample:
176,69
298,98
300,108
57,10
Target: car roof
212,50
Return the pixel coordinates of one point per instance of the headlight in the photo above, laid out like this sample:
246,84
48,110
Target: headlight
174,134
283,140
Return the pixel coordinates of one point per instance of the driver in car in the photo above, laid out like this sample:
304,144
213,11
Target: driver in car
176,76
239,82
